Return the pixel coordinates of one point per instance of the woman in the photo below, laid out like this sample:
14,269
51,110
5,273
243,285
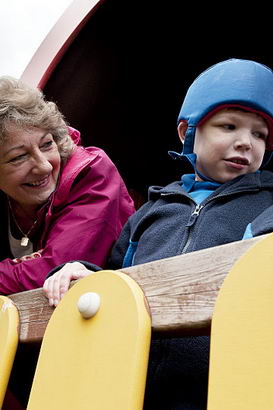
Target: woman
58,200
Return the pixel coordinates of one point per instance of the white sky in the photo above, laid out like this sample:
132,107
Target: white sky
23,26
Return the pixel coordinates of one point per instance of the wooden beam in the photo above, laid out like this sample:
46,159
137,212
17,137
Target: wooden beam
181,292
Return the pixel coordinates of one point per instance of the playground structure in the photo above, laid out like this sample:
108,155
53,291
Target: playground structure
224,291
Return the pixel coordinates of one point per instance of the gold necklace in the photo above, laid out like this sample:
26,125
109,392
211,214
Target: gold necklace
25,238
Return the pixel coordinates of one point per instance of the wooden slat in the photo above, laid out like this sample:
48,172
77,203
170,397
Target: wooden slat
181,292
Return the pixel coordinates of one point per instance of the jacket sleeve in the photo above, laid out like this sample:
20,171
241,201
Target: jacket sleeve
117,255
261,225
120,248
88,265
130,234
248,232
84,228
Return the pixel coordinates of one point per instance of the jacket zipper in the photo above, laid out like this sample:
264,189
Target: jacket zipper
195,215
197,210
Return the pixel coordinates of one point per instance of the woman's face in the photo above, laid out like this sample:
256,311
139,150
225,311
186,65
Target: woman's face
29,166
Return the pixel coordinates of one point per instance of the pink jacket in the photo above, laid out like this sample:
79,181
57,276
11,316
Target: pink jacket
82,220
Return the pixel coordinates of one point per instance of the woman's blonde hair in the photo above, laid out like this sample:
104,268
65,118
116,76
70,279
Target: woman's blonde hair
22,106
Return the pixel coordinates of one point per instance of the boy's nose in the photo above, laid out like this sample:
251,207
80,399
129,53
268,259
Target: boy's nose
243,141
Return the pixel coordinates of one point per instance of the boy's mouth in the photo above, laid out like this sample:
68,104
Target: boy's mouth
238,160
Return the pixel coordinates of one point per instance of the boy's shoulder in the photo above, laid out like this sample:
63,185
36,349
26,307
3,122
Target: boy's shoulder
252,181
266,176
155,191
263,224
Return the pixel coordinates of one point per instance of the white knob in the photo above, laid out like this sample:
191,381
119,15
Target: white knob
88,304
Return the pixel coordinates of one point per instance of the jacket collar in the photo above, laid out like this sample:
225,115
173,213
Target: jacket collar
248,182
79,159
75,164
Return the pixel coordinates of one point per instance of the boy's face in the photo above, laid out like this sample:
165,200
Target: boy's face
230,143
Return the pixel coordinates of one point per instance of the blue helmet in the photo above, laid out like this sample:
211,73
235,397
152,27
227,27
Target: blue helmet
234,82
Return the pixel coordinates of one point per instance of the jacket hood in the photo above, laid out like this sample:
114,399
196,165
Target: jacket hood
260,180
77,162
75,135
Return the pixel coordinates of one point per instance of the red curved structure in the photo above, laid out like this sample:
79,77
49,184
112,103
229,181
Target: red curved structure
57,41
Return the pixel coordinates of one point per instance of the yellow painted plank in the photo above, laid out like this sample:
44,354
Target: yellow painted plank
241,366
97,363
9,324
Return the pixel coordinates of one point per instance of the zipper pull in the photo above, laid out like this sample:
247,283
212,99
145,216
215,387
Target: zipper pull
197,210
194,215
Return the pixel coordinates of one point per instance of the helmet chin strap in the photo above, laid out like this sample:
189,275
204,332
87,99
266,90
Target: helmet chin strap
190,155
267,158
192,159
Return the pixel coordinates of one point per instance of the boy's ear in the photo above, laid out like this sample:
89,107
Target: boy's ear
182,128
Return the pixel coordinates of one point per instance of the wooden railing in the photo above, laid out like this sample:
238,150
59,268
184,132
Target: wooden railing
180,291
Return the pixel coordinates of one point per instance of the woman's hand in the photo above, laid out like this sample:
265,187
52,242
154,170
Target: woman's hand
58,284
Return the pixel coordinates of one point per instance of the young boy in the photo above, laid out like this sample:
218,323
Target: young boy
226,126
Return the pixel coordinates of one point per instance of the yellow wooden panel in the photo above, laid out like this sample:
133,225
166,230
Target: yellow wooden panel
9,322
97,363
241,364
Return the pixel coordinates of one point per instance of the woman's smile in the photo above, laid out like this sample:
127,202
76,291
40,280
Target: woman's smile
39,184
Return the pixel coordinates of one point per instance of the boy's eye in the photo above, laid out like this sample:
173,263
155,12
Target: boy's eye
229,127
259,134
